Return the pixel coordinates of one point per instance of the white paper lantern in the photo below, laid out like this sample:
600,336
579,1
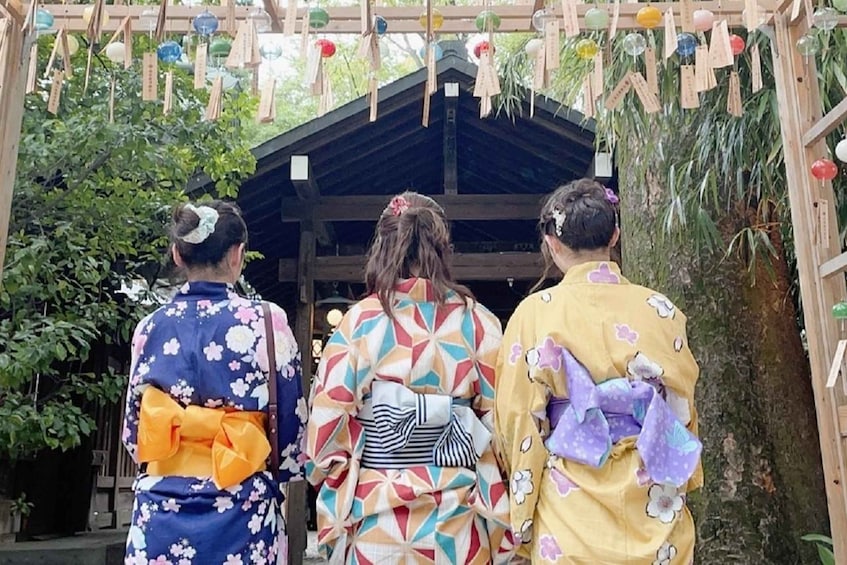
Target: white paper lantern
841,151
115,52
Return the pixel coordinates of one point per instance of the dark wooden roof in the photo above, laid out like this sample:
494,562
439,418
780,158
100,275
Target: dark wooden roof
351,156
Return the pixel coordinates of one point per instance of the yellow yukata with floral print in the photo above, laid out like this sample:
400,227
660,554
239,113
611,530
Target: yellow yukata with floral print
599,504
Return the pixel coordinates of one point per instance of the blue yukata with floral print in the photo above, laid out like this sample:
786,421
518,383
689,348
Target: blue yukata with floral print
208,348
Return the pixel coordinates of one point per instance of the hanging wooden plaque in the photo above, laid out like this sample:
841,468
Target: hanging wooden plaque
733,102
616,96
571,19
551,44
648,99
720,50
687,88
169,93
55,92
756,67
670,34
200,62
149,78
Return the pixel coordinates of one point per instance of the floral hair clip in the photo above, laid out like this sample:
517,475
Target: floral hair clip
398,205
611,196
558,220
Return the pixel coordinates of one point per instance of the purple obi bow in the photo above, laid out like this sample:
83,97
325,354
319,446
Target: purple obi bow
596,416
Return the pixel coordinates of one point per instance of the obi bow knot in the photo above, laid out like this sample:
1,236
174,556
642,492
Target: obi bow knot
195,441
398,412
596,416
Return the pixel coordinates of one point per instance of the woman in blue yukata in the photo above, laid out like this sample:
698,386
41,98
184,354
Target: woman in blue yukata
197,409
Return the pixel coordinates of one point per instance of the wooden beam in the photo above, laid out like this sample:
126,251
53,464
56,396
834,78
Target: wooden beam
273,12
835,265
308,191
305,312
465,267
368,207
14,61
827,124
451,103
842,420
800,105
404,19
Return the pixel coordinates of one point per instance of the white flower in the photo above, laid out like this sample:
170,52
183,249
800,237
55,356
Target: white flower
184,562
526,444
664,307
176,549
213,403
640,368
255,524
170,505
222,503
259,485
143,369
521,485
137,558
665,554
189,552
233,560
679,406
240,339
302,410
213,351
289,463
664,503
256,556
239,388
171,347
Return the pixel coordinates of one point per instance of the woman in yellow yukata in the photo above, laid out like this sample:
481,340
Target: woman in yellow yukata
400,434
595,403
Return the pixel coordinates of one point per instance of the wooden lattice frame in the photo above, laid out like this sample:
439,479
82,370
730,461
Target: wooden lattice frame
821,262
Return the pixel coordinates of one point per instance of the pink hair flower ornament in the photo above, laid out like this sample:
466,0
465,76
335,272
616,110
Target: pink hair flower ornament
398,205
611,196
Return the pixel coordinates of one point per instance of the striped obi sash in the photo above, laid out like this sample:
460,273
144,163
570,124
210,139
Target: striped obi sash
404,429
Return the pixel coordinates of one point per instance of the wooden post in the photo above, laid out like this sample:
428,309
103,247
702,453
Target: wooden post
800,106
451,101
297,538
14,61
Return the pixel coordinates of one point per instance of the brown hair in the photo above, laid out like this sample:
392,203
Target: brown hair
581,215
411,235
230,230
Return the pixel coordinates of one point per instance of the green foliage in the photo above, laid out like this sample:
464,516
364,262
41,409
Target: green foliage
21,506
824,545
708,161
92,199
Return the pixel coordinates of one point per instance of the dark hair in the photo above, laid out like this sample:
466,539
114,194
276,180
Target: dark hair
580,215
411,234
230,230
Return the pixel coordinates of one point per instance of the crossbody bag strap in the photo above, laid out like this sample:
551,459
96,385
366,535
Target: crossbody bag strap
273,417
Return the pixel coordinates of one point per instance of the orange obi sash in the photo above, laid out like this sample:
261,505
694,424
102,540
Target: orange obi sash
194,441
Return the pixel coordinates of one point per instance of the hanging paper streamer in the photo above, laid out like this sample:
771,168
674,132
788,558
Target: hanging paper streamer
200,64
704,74
369,42
551,44
616,14
648,99
289,27
670,34
688,88
597,75
614,98
571,19
326,100
720,49
112,102
62,39
733,102
756,67
55,92
161,21
245,48
650,68
373,96
588,96
267,108
149,77
686,16
751,14
487,83
32,70
169,93
213,109
304,35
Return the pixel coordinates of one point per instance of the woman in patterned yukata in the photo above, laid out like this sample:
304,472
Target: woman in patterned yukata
399,438
595,403
196,409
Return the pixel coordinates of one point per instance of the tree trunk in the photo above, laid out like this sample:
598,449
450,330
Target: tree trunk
764,484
